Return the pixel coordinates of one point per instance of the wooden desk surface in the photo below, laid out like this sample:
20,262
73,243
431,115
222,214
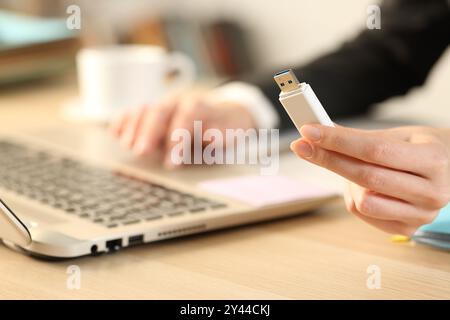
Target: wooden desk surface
324,255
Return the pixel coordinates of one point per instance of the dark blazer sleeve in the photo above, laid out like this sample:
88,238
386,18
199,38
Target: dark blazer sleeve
377,64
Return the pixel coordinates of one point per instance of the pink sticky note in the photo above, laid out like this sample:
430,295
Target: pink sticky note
263,191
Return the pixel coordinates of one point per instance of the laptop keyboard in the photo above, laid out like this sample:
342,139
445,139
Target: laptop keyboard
102,196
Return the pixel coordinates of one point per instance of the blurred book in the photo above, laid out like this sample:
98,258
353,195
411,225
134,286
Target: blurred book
229,49
150,31
186,36
32,47
46,8
219,49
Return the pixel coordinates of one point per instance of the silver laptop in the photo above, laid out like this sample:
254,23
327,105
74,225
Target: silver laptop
72,193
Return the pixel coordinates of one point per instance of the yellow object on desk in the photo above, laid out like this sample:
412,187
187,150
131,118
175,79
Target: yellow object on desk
398,238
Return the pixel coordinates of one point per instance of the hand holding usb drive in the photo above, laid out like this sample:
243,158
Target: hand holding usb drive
300,101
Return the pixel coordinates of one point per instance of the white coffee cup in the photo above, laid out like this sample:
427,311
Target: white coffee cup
117,77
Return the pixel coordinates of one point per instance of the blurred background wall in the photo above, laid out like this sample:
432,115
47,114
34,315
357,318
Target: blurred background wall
280,33
316,25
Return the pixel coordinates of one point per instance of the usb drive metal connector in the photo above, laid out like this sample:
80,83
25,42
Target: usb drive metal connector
286,80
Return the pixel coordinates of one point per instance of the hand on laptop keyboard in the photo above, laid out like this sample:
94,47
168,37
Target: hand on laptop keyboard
147,129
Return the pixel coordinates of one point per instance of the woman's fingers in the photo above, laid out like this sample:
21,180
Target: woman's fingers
118,123
397,184
370,147
190,109
153,129
400,177
394,227
131,128
381,207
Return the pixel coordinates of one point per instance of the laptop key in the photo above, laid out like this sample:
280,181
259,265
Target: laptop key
175,213
218,205
195,210
155,217
128,222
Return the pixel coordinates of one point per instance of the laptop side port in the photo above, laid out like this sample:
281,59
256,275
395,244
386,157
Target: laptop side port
114,245
135,240
94,250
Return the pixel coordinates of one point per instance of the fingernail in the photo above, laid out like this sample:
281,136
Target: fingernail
310,132
303,149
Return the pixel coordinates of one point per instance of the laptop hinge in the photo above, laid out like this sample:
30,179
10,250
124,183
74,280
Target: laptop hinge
12,229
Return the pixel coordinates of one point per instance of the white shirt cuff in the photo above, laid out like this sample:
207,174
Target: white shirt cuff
252,98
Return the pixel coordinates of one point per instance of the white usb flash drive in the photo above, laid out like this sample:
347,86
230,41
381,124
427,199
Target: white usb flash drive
300,101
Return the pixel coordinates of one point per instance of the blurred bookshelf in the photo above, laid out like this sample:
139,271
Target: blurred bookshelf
220,49
35,42
34,47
